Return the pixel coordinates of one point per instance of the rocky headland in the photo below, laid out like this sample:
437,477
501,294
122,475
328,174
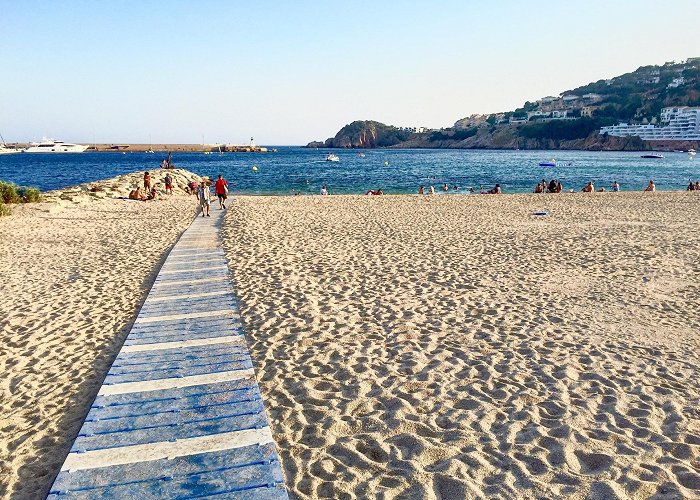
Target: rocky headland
572,120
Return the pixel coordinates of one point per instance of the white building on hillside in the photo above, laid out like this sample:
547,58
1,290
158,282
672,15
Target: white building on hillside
683,125
668,113
676,82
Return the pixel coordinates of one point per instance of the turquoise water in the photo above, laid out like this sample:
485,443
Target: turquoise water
294,169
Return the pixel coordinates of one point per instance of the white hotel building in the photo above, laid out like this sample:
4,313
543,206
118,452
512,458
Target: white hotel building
682,124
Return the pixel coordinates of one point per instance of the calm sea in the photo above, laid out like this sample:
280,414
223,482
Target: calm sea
294,169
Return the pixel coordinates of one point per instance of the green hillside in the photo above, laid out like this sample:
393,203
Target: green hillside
569,121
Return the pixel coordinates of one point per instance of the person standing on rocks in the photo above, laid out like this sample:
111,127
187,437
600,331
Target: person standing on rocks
168,183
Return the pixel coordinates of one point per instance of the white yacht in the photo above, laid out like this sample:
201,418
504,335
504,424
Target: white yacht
332,157
51,146
4,150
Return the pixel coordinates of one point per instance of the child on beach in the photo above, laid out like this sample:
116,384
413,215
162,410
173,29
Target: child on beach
651,187
147,181
168,184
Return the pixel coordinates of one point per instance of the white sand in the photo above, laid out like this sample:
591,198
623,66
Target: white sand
456,346
74,273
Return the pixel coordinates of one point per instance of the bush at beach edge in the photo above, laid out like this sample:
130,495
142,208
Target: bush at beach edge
12,194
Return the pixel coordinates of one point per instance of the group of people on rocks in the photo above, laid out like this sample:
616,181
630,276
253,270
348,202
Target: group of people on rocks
200,189
149,191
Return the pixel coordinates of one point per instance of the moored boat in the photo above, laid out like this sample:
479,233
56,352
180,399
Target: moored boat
655,155
51,146
332,157
4,150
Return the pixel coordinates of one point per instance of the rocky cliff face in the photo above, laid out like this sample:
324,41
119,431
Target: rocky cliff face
371,134
509,138
364,134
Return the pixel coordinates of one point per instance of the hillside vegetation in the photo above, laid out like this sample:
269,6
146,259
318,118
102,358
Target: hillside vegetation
571,120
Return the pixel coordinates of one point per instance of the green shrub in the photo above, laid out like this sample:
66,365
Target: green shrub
4,209
9,193
29,194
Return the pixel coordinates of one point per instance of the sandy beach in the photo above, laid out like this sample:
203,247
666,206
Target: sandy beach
438,347
75,271
454,347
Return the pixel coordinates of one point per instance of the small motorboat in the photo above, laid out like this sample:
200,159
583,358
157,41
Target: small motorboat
550,163
332,157
655,155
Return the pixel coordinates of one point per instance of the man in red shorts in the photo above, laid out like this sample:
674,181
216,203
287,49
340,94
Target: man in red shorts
221,188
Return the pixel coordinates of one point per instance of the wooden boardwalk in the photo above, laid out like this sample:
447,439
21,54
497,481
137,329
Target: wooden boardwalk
179,414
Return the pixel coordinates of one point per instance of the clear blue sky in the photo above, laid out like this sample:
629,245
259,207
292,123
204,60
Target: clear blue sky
287,72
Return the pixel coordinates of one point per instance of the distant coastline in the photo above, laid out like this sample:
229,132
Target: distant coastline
369,134
123,147
659,103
